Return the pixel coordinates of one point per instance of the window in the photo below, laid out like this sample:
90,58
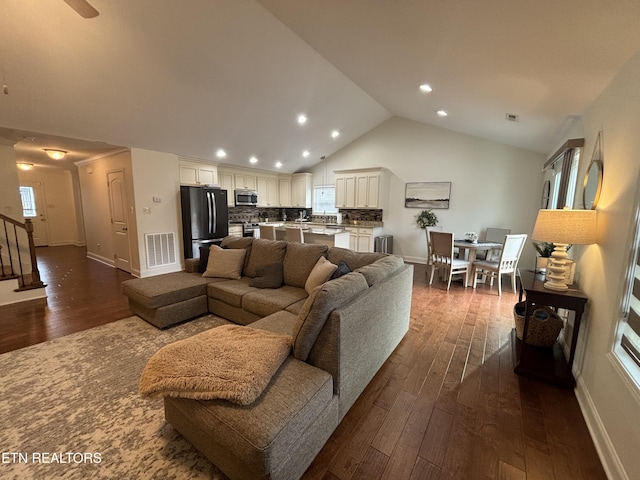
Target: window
28,201
627,347
324,200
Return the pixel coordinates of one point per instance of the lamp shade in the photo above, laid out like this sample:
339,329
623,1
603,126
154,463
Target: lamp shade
575,227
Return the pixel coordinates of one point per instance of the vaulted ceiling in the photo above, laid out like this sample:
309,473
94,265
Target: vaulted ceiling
191,77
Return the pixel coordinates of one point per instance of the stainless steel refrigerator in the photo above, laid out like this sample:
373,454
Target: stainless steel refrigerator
205,217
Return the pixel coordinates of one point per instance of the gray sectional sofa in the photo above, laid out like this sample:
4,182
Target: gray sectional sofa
342,330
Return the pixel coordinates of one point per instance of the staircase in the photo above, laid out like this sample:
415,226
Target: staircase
19,275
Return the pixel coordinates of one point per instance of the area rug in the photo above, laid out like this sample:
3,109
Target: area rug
70,408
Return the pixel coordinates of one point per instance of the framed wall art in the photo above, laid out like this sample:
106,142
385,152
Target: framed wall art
427,195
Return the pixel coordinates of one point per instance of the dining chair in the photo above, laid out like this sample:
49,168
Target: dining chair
443,259
436,228
294,234
268,232
507,263
495,235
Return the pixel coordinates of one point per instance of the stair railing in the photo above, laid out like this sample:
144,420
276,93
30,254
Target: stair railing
11,248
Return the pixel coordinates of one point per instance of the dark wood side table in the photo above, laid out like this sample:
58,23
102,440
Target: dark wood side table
547,364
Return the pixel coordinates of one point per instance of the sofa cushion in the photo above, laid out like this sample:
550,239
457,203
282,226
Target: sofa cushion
322,301
231,291
280,322
254,441
268,276
224,263
160,290
265,302
352,259
321,272
380,269
299,260
264,252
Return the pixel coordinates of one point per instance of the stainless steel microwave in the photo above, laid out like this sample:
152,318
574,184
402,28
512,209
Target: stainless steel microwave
246,198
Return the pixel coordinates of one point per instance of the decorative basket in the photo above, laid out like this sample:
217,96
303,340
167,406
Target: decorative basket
544,325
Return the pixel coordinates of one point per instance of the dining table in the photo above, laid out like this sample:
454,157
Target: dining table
469,250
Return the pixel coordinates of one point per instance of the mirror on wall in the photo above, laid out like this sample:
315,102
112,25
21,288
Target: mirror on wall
592,185
593,178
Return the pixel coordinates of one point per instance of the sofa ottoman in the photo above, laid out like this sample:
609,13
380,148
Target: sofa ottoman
276,437
165,300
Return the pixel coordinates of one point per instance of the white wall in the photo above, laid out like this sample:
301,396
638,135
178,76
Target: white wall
493,185
611,402
10,203
157,175
95,207
60,204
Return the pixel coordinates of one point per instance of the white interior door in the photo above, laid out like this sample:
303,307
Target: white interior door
119,224
33,207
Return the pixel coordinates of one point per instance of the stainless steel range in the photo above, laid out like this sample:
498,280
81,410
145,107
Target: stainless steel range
250,229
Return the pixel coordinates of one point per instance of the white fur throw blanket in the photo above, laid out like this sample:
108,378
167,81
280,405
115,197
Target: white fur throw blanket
230,362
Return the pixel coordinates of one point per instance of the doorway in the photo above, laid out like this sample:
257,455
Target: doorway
34,208
119,225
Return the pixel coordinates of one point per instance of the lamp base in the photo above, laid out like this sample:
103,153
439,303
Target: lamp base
556,280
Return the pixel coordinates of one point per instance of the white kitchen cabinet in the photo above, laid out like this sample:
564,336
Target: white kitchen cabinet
284,191
301,190
227,183
193,173
367,188
361,239
246,181
235,230
268,194
345,191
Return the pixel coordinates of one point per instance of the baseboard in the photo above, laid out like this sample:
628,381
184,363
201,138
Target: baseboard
98,258
606,451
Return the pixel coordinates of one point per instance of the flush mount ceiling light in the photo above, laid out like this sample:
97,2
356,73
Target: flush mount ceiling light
220,153
302,119
442,113
55,154
278,164
335,134
253,160
426,88
24,166
306,153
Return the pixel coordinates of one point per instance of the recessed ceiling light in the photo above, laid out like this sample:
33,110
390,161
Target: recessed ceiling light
306,153
335,134
220,153
278,164
442,113
302,119
426,88
253,160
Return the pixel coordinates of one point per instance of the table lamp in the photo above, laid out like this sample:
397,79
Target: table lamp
563,228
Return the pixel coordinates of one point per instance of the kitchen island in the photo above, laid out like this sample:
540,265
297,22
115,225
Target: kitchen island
331,236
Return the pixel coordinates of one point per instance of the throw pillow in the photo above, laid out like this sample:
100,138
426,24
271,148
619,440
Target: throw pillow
225,263
268,276
321,272
342,269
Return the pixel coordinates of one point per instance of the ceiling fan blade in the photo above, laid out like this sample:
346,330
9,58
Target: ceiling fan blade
83,8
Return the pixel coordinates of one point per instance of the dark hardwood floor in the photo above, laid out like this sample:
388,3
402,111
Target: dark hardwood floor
446,405
81,294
